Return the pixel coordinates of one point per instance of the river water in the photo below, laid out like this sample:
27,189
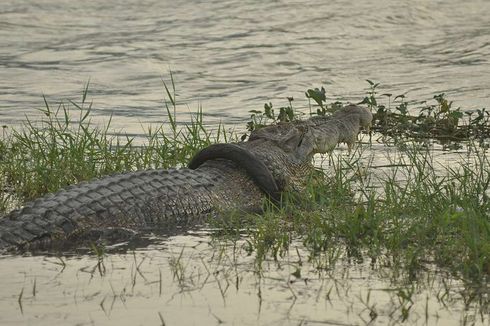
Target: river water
229,57
188,280
232,56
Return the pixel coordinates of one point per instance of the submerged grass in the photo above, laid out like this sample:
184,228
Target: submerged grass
410,217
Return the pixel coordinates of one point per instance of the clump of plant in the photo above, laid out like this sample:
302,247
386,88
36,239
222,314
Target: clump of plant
267,116
439,121
66,147
259,119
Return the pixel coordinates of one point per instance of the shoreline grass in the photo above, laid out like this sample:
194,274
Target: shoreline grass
62,150
408,219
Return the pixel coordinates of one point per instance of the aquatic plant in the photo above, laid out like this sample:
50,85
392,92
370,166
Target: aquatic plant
398,119
66,147
439,121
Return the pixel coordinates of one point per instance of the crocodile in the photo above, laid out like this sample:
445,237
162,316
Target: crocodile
220,178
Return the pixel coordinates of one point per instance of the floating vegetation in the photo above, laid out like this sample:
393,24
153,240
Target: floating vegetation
398,119
440,121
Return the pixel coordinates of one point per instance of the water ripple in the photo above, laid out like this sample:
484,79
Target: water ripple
231,56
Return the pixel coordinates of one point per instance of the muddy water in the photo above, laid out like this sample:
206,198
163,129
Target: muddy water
188,280
232,56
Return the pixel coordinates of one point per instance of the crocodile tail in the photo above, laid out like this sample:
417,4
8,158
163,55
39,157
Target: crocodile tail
134,200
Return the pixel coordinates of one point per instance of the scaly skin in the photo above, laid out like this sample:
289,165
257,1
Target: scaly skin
135,200
160,199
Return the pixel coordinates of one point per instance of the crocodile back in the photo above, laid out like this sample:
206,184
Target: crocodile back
134,200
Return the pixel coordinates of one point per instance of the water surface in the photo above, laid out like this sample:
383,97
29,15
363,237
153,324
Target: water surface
188,280
232,56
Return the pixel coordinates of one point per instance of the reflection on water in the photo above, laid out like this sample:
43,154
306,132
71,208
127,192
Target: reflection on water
191,280
232,56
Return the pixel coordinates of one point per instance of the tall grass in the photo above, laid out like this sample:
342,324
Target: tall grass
66,147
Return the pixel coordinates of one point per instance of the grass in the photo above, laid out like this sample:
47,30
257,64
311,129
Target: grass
410,217
62,150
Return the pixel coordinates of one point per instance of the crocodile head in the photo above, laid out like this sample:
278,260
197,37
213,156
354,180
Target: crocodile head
319,134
